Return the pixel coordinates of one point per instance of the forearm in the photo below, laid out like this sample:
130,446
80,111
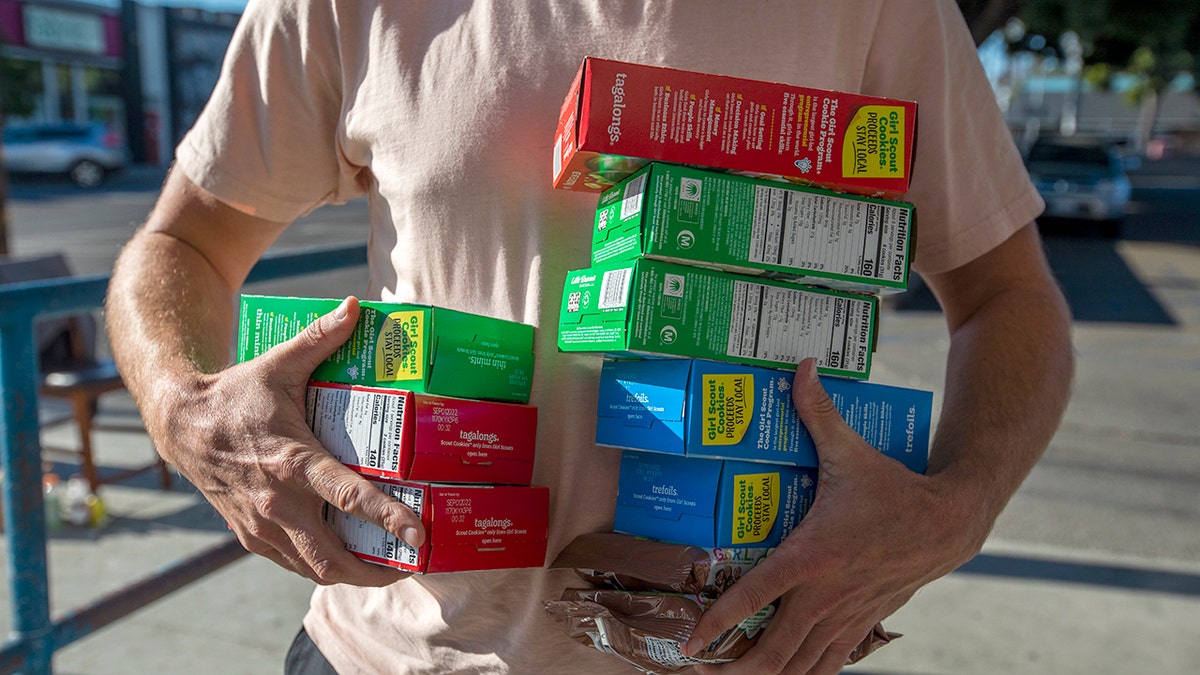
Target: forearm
169,315
1009,375
170,305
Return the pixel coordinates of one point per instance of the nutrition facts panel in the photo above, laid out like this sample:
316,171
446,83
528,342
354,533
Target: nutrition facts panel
413,498
374,542
361,428
828,233
774,323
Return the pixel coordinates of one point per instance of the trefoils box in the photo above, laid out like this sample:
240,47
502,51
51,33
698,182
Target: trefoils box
712,409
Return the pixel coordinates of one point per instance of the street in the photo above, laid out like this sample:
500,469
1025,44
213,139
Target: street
1096,562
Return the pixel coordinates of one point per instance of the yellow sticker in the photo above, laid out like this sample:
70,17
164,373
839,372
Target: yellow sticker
728,405
755,507
400,348
874,143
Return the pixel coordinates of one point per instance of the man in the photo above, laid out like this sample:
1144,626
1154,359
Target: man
443,115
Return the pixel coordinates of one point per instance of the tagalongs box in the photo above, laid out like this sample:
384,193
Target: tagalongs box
618,116
467,527
402,435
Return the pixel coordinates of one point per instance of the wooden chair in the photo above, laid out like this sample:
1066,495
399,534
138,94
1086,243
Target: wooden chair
70,370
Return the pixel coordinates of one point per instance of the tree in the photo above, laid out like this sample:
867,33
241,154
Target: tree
985,16
1152,40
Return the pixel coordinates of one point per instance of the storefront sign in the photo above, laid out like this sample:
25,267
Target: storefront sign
64,30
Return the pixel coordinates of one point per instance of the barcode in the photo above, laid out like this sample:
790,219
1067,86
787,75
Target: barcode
631,204
614,288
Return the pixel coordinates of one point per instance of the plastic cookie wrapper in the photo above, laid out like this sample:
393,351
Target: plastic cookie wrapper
625,562
648,630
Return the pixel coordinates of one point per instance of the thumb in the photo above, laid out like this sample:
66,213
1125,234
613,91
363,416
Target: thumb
818,412
318,341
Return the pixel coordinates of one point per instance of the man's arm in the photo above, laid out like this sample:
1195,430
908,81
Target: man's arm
238,433
877,532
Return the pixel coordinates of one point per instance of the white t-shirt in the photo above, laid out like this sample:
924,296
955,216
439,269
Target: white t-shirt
443,113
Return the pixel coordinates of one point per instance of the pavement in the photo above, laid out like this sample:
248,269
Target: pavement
1094,567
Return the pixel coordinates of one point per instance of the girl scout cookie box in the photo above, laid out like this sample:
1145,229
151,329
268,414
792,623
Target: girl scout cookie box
710,502
396,435
721,410
618,116
756,226
652,307
418,348
467,527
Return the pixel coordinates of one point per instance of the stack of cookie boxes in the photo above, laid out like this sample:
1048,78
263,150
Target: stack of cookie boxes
430,404
708,285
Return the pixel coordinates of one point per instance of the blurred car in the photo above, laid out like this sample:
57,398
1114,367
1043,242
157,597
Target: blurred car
1080,180
86,153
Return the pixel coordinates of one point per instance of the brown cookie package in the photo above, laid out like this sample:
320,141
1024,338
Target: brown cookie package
647,596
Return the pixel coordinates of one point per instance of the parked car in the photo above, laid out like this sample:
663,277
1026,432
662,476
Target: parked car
1080,180
86,153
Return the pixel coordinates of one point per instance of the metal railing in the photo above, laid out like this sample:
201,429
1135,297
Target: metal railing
35,637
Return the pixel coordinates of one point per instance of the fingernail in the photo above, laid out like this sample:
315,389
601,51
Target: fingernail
812,371
342,310
412,537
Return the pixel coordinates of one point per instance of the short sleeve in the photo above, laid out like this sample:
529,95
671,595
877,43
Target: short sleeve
269,140
969,184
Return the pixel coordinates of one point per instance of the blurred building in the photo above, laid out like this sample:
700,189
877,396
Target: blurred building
144,71
1171,124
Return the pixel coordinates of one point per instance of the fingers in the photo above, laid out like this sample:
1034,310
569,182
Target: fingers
305,541
790,646
828,649
301,355
322,553
758,588
288,527
352,494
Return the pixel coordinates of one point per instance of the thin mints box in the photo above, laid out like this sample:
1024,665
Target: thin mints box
418,348
653,307
755,226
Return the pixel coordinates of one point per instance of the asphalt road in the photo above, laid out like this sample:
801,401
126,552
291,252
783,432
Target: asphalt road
1101,543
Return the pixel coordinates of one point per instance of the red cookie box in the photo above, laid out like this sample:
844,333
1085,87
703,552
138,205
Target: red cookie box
468,527
401,435
618,116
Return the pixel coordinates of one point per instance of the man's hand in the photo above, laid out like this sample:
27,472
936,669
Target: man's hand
241,437
876,533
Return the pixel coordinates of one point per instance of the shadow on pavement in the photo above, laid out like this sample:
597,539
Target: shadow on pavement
1098,284
1114,576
